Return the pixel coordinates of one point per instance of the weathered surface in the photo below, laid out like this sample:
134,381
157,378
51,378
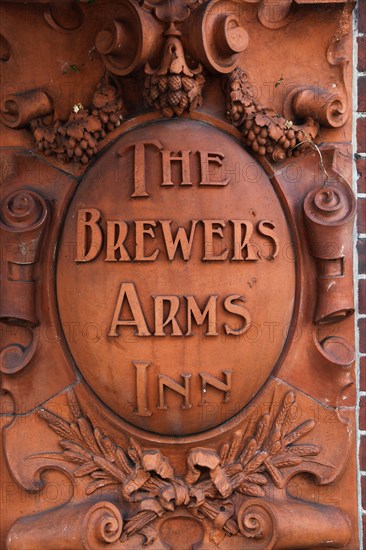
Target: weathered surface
176,218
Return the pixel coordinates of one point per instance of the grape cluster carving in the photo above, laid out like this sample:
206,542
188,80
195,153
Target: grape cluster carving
77,139
265,131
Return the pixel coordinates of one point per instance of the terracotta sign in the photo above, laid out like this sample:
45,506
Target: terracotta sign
170,275
176,217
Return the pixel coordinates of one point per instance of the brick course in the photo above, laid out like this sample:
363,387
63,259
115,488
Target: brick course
361,174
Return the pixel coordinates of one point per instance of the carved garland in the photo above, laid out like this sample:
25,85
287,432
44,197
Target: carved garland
146,477
265,131
77,139
175,87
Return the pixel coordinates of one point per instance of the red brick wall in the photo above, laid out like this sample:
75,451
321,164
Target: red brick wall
361,242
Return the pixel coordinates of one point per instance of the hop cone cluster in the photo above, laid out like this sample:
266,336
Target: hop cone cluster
172,94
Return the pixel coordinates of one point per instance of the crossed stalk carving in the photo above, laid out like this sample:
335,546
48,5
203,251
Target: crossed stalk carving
145,476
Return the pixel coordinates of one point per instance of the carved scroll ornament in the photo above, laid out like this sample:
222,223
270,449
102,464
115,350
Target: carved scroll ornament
262,524
23,218
89,526
175,43
329,215
151,458
20,109
278,524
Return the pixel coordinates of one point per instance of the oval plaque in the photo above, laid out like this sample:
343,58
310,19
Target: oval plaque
174,282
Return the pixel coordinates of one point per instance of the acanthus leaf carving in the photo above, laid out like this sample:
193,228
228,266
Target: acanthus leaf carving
146,478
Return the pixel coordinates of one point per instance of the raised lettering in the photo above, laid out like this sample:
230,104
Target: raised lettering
116,236
139,181
141,388
242,243
205,159
142,229
210,230
168,159
180,239
237,309
208,378
128,292
88,230
268,232
160,322
199,316
166,381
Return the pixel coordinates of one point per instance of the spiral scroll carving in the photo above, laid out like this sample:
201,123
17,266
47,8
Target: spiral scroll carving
329,213
64,16
89,527
20,109
330,205
102,525
256,523
23,218
15,357
327,108
23,210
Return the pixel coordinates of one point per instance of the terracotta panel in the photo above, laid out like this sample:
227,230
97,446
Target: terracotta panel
177,294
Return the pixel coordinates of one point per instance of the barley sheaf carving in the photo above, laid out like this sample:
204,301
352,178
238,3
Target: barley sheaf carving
249,462
265,131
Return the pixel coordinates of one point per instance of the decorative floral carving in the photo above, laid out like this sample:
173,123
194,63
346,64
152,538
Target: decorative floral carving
174,87
77,138
145,476
265,131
